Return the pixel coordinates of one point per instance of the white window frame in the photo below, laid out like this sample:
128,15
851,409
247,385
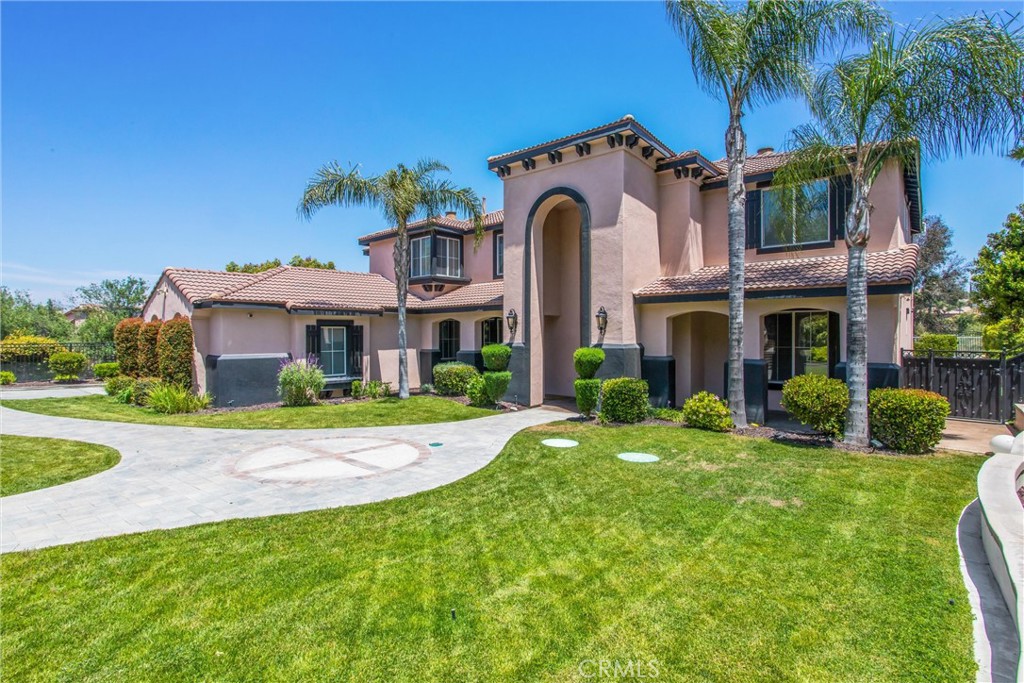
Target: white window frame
419,263
794,242
449,256
329,335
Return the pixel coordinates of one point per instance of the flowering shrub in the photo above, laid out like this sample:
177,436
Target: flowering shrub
624,399
126,345
704,410
299,382
818,401
452,379
907,420
587,361
174,351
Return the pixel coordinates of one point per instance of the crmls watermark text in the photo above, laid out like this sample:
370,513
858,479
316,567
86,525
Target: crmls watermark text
615,668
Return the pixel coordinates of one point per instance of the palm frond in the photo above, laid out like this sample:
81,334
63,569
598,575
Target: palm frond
333,185
443,195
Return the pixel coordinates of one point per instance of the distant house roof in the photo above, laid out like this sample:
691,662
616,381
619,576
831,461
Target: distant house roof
465,226
896,267
312,289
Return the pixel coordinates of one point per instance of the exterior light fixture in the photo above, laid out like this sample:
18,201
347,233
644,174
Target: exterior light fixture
602,320
512,318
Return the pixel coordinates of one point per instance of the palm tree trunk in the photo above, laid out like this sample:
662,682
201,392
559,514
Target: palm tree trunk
858,230
401,255
736,151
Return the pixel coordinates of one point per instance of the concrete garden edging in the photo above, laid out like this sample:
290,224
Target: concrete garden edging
1002,532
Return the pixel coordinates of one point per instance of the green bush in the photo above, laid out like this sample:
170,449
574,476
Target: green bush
149,361
587,393
587,361
141,388
126,345
907,420
174,350
18,345
476,391
67,365
125,395
818,401
452,379
496,384
1006,334
376,389
171,399
426,388
624,399
7,377
299,382
356,390
704,410
941,344
496,357
115,385
106,370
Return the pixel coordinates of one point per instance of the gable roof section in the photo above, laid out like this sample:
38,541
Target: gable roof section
491,220
894,267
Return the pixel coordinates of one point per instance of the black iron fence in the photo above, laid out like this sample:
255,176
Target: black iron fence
979,385
28,362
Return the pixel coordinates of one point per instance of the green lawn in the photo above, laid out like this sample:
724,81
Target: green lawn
382,412
731,559
28,463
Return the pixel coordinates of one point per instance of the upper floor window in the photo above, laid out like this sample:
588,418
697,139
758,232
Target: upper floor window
800,343
799,217
449,256
448,339
499,254
419,257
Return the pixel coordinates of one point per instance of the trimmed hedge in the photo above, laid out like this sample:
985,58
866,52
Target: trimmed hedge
300,382
624,399
126,345
587,361
496,384
7,377
20,345
452,379
496,357
941,344
704,410
115,385
587,393
907,420
818,401
476,391
67,365
149,361
174,349
106,370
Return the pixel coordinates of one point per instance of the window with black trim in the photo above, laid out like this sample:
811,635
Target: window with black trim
491,331
419,256
448,339
797,216
334,351
499,254
800,343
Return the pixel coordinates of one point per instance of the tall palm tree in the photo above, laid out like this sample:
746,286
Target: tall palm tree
747,54
941,88
403,194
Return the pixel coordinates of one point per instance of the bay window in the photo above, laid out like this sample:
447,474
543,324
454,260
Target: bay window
419,257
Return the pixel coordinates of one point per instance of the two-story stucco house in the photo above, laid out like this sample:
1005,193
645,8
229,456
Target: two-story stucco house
609,220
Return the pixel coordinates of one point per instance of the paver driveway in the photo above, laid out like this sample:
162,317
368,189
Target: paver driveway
178,476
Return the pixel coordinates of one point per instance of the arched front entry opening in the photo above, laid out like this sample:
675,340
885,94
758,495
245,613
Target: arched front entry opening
700,346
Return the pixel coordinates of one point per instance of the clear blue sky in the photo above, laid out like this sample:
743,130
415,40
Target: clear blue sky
140,136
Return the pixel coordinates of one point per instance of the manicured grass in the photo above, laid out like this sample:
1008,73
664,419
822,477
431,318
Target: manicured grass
28,463
382,412
731,559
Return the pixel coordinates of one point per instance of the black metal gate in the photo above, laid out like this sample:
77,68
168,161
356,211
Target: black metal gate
980,385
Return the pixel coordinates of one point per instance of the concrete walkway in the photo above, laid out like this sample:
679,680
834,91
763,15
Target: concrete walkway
970,436
179,476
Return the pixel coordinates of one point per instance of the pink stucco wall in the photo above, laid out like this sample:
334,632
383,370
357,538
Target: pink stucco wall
477,261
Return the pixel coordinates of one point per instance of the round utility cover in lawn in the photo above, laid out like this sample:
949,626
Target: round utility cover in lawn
560,443
638,457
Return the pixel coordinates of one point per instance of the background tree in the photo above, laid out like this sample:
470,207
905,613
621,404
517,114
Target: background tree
297,260
98,326
123,298
402,194
940,287
18,313
746,54
999,285
943,88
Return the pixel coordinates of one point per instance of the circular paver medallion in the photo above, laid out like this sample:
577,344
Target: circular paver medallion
638,457
560,443
343,457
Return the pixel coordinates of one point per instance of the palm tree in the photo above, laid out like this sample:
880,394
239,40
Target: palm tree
941,88
403,194
749,54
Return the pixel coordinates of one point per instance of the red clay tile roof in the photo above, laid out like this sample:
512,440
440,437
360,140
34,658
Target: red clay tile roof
311,288
583,133
896,266
491,218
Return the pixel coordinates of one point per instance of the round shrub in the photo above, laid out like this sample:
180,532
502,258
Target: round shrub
174,351
819,402
7,377
587,361
126,345
587,392
452,379
67,365
18,346
426,388
119,383
106,370
496,384
476,391
149,361
704,410
141,388
496,357
624,399
907,420
299,382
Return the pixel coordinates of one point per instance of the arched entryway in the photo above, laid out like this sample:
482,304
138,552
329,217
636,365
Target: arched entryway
700,346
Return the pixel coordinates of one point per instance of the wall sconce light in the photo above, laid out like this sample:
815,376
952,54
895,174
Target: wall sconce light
512,318
602,320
